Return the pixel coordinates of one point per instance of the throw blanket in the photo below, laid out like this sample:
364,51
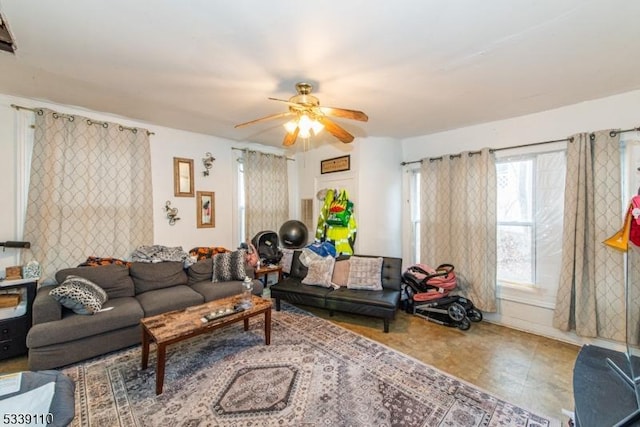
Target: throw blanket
159,253
202,252
94,261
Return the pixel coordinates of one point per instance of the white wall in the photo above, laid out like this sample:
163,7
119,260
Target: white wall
165,144
375,186
380,187
620,111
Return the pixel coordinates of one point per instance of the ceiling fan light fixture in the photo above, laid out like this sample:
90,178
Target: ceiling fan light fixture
305,125
304,133
309,118
290,126
317,127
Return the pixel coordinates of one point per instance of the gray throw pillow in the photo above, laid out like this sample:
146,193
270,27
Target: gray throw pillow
319,272
80,295
365,273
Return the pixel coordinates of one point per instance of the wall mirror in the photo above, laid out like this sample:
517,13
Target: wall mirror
182,177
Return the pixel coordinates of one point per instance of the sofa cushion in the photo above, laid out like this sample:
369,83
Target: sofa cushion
319,272
45,307
126,312
113,278
80,295
365,273
168,299
150,276
298,269
200,271
212,291
384,298
392,273
229,266
294,286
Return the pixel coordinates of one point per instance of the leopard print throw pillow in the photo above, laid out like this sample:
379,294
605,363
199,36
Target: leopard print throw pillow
80,295
229,266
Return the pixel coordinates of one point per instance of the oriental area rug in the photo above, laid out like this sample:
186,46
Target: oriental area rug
314,373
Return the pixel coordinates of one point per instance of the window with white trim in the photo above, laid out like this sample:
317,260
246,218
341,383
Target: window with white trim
530,209
515,228
530,205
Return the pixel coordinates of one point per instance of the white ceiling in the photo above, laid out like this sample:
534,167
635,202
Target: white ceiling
414,66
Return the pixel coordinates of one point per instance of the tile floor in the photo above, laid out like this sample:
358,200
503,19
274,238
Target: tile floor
525,369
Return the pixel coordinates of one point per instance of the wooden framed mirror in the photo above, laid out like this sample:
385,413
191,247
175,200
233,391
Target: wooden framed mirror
182,177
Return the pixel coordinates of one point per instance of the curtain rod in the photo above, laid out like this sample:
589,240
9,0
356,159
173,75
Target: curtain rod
492,150
262,152
91,122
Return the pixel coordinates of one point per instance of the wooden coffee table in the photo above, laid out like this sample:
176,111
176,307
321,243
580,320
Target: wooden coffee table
179,325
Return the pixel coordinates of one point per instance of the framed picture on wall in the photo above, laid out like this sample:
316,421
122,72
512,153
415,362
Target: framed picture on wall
336,164
206,208
182,177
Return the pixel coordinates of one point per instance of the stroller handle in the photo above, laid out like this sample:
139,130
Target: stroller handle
442,270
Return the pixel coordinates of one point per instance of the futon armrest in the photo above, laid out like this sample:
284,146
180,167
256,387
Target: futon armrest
45,307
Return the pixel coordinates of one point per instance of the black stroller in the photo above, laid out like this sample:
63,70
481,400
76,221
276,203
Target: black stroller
268,246
427,295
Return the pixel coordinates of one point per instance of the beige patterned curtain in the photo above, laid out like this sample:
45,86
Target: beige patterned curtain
458,221
266,192
89,191
590,297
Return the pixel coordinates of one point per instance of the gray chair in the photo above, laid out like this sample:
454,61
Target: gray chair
62,408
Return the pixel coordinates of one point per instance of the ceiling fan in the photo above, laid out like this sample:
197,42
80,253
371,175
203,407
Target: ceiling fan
309,117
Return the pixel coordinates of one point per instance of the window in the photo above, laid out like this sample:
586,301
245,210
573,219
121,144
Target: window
515,222
530,205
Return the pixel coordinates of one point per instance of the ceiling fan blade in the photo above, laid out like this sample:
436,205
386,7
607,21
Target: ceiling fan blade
289,103
290,138
270,117
335,129
344,113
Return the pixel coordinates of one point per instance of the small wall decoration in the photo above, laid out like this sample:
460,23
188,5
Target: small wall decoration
207,161
172,213
182,177
206,209
336,164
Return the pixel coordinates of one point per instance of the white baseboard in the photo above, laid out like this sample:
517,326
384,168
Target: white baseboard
550,332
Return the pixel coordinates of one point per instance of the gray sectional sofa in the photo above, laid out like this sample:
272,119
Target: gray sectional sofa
376,303
59,336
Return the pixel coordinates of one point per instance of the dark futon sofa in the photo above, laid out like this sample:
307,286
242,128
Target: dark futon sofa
376,303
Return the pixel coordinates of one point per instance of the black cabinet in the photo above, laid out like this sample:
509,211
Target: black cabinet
14,328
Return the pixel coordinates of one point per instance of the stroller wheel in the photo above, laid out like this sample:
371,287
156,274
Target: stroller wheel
456,312
474,315
464,324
